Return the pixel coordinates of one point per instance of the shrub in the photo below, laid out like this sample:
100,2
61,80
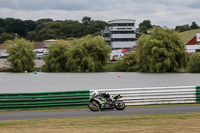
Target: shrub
194,63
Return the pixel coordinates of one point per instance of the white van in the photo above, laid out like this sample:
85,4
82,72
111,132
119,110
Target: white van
116,55
3,53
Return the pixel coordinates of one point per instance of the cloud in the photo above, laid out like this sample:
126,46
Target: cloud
195,4
159,12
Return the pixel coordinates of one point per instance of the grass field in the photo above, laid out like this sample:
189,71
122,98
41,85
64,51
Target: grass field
188,35
165,123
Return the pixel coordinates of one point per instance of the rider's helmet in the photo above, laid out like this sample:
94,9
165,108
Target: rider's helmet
106,95
95,93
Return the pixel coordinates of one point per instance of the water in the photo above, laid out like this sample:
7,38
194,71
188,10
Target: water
46,82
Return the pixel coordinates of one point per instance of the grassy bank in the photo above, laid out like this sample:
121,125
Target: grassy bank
11,70
6,70
188,35
165,123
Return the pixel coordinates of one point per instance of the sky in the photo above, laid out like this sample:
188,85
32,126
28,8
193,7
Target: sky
168,13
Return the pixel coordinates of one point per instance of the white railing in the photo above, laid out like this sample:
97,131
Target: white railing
154,95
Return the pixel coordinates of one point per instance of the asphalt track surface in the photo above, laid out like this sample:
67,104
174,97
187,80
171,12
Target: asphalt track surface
88,113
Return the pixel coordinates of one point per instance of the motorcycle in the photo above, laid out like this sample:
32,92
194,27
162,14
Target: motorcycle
104,101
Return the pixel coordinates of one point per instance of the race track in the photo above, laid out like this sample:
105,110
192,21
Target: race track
88,113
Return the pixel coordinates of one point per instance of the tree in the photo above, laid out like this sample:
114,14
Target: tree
31,35
46,33
16,26
21,56
87,54
95,27
161,51
2,25
182,28
194,26
6,36
30,25
145,26
194,63
56,60
86,20
45,20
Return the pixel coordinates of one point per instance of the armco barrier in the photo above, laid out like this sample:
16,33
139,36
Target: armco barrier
131,96
22,101
156,95
198,94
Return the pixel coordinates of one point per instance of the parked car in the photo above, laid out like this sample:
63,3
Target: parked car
39,56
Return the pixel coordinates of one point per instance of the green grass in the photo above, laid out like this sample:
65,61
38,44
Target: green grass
110,67
188,35
159,123
6,70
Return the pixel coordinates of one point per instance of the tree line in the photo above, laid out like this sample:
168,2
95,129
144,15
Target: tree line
146,26
162,50
47,28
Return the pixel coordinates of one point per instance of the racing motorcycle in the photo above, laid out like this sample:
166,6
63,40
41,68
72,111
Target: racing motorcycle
104,101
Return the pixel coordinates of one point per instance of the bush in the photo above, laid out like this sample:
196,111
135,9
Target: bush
6,70
110,67
194,63
129,63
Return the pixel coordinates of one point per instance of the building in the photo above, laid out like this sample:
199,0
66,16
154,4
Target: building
194,44
120,33
47,42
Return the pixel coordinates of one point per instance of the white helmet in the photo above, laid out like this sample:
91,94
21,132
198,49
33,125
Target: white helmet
95,93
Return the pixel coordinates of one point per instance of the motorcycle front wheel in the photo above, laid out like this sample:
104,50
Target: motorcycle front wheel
120,105
94,105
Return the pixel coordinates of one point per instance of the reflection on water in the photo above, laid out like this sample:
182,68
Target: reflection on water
45,82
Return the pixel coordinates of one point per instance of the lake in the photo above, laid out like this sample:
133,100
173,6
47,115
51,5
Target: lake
46,82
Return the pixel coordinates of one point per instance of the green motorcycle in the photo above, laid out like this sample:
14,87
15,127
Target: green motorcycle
104,101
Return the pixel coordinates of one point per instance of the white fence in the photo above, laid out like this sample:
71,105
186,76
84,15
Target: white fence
154,95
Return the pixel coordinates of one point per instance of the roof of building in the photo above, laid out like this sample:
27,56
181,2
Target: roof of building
121,20
2,46
50,40
193,41
38,45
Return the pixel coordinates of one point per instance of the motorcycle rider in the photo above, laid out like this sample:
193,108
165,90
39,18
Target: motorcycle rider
100,100
103,95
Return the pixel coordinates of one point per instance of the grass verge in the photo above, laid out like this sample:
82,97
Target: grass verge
6,70
162,123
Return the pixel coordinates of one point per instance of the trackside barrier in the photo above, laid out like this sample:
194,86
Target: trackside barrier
198,94
22,101
68,99
156,95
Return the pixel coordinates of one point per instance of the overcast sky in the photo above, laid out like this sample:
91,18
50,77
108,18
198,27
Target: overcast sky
168,13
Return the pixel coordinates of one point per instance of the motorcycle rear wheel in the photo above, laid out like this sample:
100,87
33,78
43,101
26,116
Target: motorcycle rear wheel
94,106
120,105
